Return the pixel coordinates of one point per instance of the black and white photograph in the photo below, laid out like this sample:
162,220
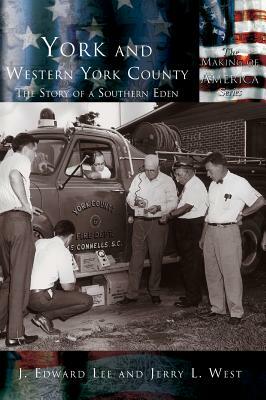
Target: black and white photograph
132,226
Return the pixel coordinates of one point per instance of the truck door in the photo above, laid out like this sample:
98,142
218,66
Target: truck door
97,207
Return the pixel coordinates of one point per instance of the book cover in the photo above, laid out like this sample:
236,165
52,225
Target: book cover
134,65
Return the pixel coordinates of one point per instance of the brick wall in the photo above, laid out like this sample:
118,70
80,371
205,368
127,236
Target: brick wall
225,136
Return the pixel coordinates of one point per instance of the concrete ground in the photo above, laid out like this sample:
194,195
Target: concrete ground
143,326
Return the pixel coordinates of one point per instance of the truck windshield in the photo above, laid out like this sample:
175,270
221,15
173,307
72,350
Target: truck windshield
48,154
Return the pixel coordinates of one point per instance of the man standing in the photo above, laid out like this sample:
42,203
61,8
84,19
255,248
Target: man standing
190,213
53,262
151,195
16,239
221,240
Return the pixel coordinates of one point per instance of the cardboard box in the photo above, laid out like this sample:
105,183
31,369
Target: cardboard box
113,265
116,286
87,262
97,292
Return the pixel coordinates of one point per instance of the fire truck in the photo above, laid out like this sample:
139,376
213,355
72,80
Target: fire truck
98,207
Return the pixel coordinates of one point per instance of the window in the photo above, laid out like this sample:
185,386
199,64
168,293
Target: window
48,154
97,160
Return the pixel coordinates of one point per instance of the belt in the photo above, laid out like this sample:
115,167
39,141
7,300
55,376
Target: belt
198,220
222,224
40,290
148,219
14,211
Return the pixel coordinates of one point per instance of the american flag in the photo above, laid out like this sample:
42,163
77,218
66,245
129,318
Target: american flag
125,23
232,50
21,383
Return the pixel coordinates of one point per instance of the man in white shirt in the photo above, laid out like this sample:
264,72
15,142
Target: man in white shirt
221,240
16,239
151,195
53,262
93,168
98,168
189,215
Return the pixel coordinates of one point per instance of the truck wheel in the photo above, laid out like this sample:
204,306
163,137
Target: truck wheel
251,236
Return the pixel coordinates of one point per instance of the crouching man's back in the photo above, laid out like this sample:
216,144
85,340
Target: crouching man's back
53,262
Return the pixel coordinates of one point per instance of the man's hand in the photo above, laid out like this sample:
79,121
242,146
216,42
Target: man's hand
92,174
164,219
201,243
140,203
154,209
36,211
239,219
263,242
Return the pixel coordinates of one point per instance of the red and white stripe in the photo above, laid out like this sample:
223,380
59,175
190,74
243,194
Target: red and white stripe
250,45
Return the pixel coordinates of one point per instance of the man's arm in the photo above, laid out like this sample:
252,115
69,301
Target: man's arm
171,197
68,287
132,191
259,203
256,206
17,184
92,174
201,242
66,273
181,210
105,174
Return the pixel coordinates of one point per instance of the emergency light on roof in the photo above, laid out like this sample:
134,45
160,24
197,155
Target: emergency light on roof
47,118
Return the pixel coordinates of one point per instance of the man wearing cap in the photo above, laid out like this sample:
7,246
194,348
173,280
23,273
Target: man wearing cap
189,215
221,241
151,195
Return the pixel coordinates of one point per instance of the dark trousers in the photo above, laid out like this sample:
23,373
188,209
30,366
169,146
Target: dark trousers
188,234
62,304
16,258
147,235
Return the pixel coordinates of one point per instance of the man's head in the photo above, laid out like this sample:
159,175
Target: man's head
98,161
183,172
66,230
151,166
216,166
25,144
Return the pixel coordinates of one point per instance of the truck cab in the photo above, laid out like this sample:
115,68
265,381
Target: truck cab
61,189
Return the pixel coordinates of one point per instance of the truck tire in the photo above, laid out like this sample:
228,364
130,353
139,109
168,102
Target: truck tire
251,237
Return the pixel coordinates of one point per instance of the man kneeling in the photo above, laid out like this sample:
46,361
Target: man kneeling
53,262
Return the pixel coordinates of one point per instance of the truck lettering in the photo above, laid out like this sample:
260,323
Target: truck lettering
93,203
116,243
94,235
92,246
95,245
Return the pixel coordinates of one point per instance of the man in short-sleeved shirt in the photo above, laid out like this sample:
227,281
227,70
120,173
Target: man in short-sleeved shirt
221,240
189,217
16,239
53,262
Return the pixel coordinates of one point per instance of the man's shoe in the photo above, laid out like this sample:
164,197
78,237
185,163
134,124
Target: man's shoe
127,300
211,315
234,321
24,340
2,335
45,324
156,299
185,304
